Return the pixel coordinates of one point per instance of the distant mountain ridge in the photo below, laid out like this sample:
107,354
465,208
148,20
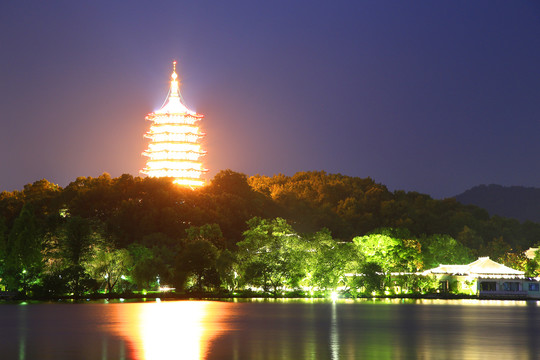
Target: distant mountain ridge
518,202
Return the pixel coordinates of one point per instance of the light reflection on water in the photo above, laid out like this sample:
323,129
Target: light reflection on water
170,330
266,329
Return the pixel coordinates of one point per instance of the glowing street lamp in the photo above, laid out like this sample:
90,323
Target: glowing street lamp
174,149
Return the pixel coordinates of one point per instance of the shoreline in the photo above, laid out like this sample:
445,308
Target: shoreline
215,296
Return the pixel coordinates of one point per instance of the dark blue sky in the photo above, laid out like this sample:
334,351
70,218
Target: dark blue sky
427,96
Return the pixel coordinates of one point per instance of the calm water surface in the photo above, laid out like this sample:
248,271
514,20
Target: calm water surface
283,329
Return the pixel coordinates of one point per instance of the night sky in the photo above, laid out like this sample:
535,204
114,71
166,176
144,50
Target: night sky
427,96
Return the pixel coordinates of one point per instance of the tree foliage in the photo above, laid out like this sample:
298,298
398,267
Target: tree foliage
277,232
391,253
109,266
327,261
271,254
443,249
24,262
199,260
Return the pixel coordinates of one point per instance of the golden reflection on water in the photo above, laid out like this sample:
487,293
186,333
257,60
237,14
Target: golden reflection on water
268,329
170,330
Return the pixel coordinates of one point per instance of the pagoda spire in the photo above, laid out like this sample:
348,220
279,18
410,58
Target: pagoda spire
174,104
175,86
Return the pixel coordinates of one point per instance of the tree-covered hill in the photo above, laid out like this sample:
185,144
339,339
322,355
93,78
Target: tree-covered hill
236,232
517,202
350,206
130,208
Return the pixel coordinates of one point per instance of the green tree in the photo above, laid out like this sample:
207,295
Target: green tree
209,232
198,259
532,266
327,261
75,244
227,268
230,182
515,260
146,267
271,255
496,249
162,261
108,265
444,249
24,258
392,253
470,238
230,202
371,278
415,283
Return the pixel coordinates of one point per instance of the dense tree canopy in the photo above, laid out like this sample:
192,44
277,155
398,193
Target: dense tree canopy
312,229
391,253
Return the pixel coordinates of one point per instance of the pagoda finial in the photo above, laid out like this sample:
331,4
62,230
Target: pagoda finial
175,87
174,75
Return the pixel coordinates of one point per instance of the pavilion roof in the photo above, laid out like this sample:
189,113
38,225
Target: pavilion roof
482,267
531,252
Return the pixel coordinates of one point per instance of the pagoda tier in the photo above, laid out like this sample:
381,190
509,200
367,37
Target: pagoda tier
174,149
173,138
167,154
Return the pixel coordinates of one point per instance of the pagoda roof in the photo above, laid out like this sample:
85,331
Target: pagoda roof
174,103
171,141
176,152
175,161
154,132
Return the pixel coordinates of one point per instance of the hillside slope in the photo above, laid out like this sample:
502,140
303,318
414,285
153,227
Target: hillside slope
518,202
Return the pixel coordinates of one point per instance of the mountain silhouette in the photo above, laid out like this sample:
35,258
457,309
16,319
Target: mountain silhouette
518,202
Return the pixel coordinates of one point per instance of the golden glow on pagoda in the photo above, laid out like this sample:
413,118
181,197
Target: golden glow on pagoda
174,148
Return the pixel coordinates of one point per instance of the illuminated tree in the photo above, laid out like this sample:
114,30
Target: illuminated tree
228,181
532,266
145,269
108,265
153,258
42,194
415,283
444,249
227,268
515,260
327,261
392,253
271,254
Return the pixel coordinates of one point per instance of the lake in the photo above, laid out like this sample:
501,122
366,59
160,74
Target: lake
268,329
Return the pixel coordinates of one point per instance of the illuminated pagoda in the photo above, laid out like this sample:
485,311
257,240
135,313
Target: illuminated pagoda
174,149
